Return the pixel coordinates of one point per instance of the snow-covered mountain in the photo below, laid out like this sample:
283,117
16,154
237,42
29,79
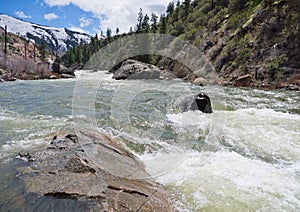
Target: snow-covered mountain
60,39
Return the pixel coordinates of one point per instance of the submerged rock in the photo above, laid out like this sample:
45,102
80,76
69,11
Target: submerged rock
100,170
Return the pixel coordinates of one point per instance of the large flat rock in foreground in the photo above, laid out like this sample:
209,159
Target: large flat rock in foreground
97,169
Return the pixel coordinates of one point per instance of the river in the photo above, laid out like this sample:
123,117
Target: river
243,157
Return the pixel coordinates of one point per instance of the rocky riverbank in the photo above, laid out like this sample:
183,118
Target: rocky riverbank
110,176
9,76
132,69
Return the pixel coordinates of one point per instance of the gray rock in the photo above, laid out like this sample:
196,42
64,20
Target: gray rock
107,174
179,70
196,102
52,77
132,69
66,76
78,165
155,74
292,87
200,81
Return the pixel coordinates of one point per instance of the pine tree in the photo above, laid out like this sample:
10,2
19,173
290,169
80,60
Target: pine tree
70,58
154,18
145,24
5,40
163,27
93,43
43,51
187,6
56,65
170,8
130,30
108,34
86,53
78,55
140,20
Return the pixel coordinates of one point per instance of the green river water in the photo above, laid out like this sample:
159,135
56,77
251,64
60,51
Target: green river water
243,157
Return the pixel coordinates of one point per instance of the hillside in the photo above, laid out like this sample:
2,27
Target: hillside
249,43
260,38
28,61
57,39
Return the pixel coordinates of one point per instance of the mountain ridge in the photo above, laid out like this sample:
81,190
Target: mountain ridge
58,39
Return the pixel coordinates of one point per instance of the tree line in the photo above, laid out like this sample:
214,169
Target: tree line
195,21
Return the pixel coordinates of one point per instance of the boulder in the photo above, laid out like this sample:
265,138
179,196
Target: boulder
97,171
243,81
292,87
196,102
179,70
154,74
66,76
132,69
200,81
52,77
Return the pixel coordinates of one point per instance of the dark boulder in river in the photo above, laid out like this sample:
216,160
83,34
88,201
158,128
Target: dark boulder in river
98,171
197,102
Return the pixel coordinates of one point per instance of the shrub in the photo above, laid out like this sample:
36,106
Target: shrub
237,5
274,65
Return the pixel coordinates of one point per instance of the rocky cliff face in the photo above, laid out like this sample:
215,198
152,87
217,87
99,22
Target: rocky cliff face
266,46
258,38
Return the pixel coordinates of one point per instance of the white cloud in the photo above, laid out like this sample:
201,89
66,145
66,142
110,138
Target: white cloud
50,16
115,13
84,22
21,14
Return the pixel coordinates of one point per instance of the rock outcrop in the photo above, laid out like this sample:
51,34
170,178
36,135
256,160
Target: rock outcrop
132,69
97,169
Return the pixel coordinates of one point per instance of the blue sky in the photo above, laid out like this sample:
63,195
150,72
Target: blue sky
90,16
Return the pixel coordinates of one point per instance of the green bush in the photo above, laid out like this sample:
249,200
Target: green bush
274,65
237,5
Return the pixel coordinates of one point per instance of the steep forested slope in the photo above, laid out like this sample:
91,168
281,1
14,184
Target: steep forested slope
257,38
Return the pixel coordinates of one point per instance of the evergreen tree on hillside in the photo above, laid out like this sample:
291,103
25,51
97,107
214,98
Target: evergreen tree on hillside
154,19
170,8
56,65
70,57
237,5
146,24
140,20
43,51
163,24
108,34
187,7
79,56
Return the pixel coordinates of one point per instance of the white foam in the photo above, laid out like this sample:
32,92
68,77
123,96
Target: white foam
228,181
264,133
235,177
